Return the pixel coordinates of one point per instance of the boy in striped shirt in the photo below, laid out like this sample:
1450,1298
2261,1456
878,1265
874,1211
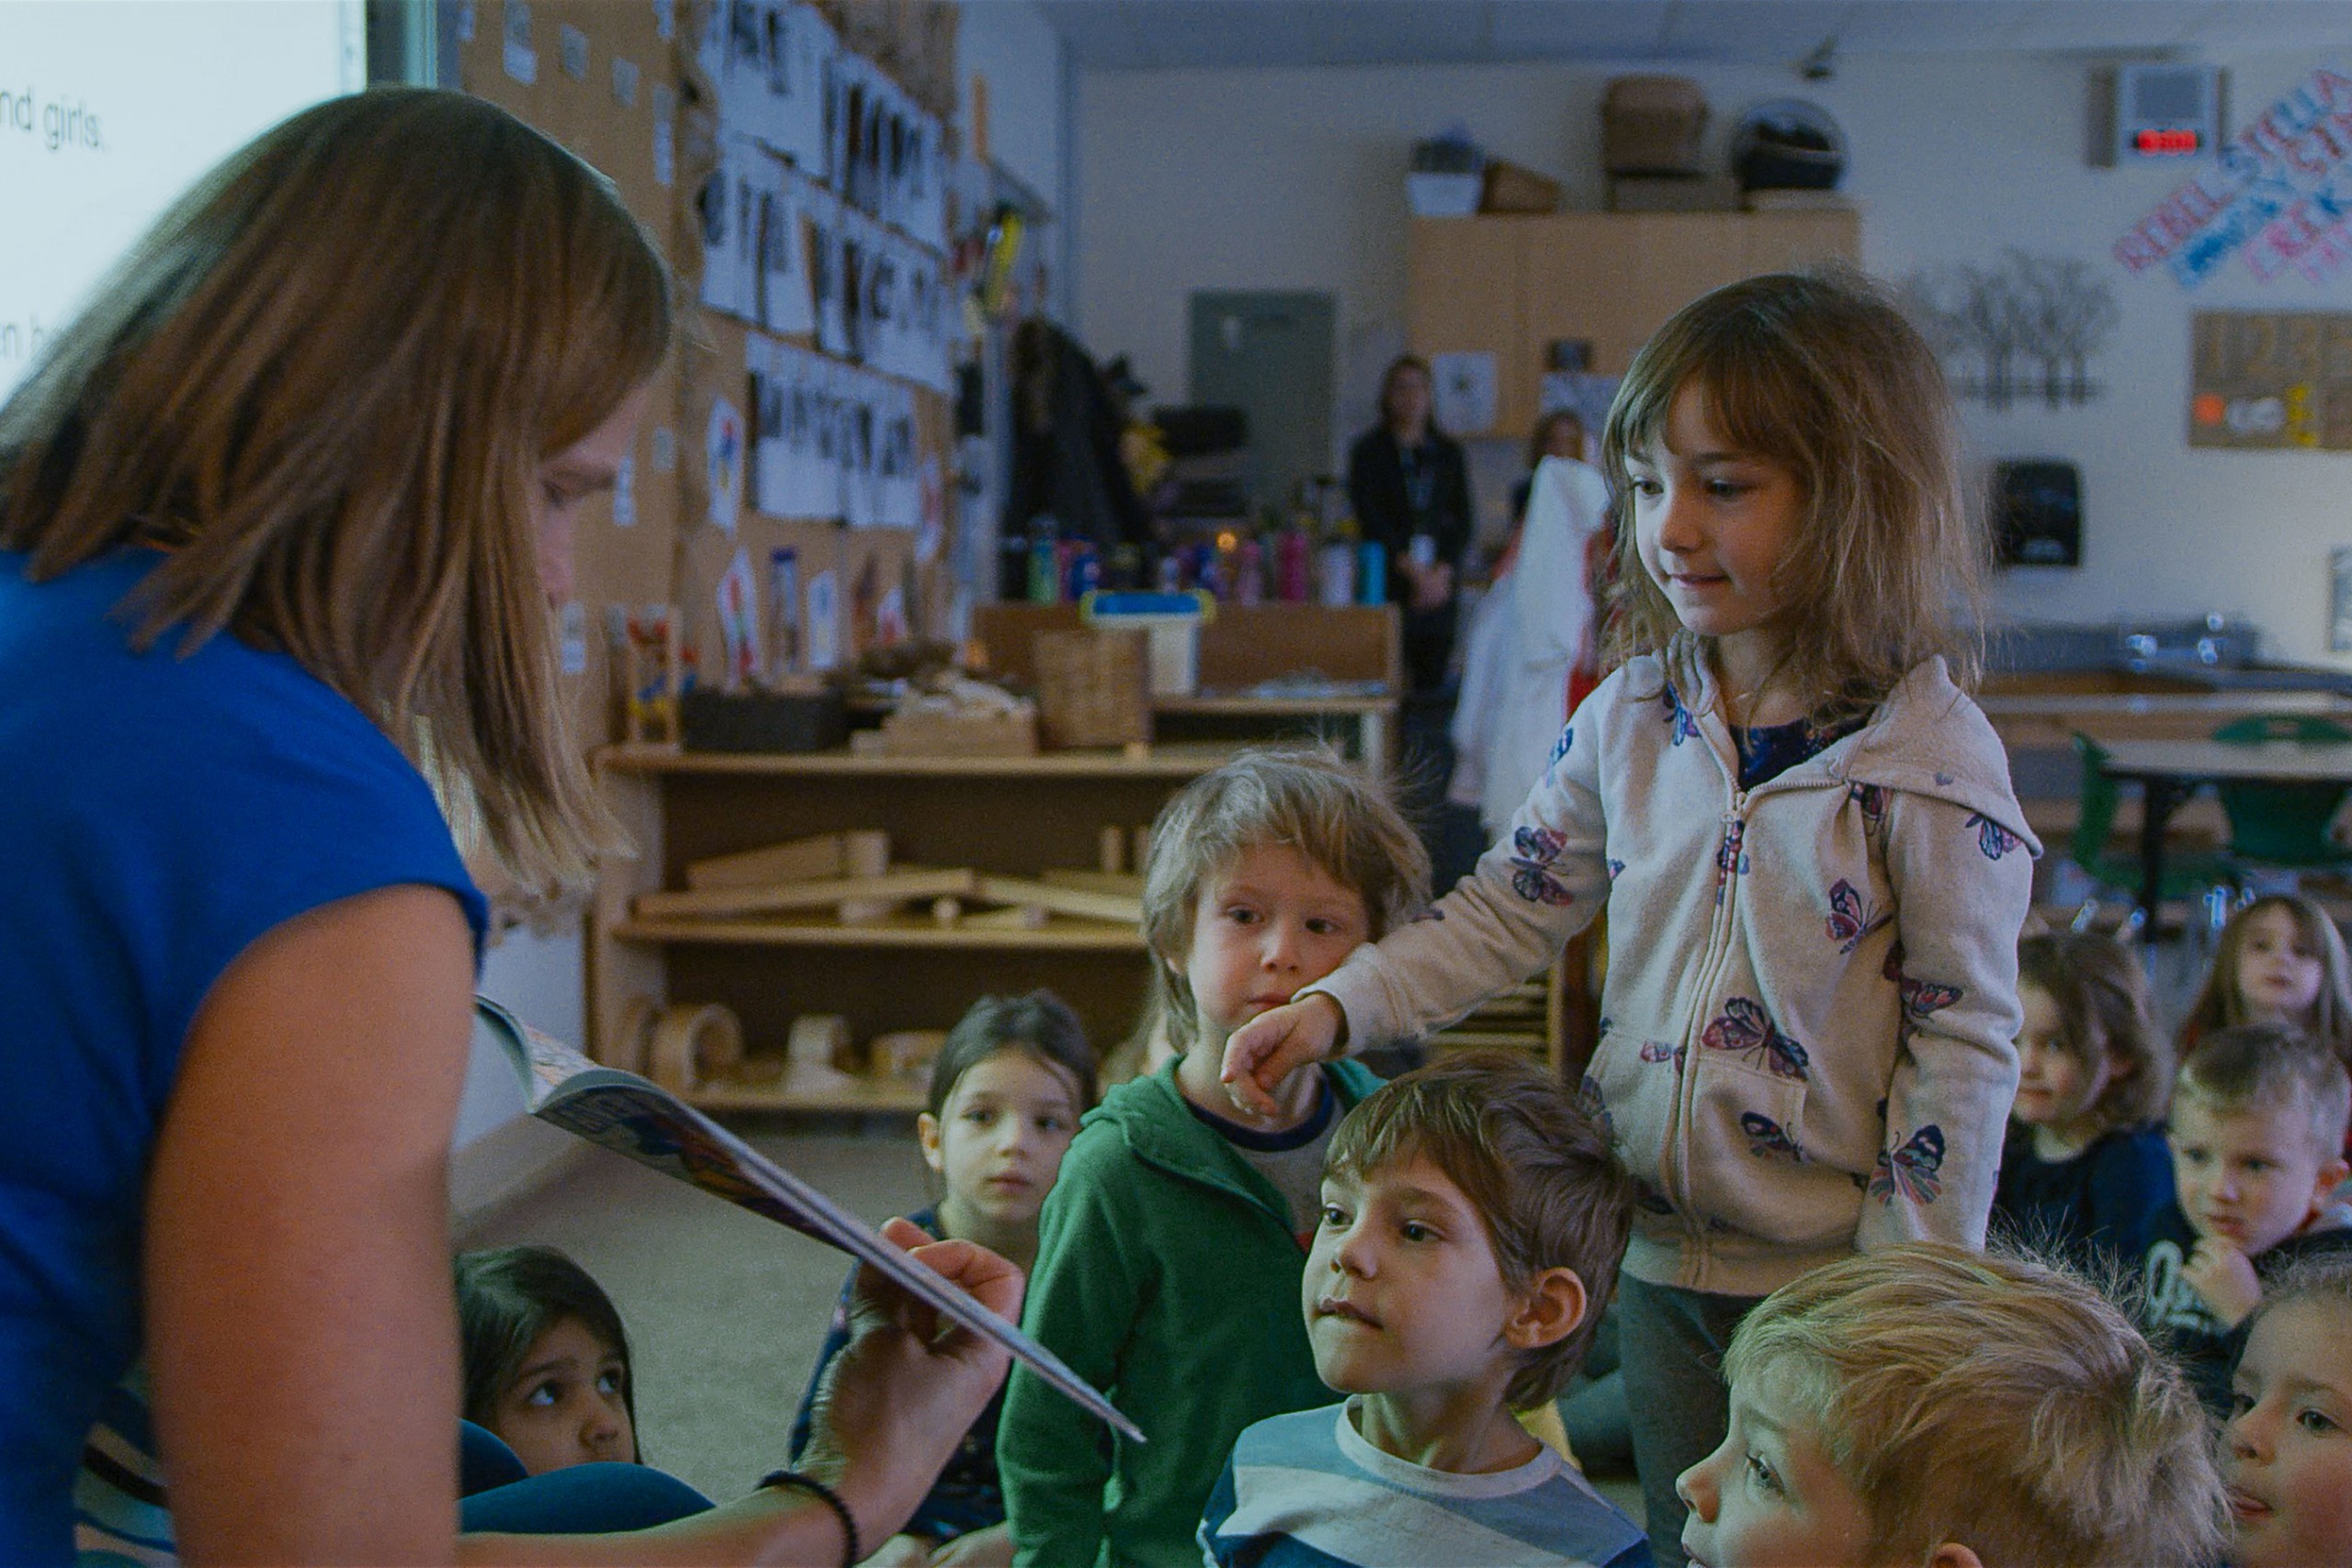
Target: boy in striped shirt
1473,1218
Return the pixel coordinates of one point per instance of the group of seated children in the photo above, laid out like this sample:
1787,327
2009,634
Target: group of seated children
1436,1253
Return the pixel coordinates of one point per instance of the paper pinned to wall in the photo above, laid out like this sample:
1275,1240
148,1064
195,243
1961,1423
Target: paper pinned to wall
723,462
739,623
1464,392
824,621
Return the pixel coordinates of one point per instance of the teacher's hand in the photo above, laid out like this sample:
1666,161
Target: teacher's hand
900,1397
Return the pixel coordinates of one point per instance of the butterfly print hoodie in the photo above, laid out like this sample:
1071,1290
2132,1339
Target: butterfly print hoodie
1807,1042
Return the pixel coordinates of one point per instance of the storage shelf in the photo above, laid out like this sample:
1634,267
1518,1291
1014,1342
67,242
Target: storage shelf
1057,934
1171,761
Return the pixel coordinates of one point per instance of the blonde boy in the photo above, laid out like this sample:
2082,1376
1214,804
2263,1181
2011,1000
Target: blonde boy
2257,1137
1924,1404
1170,1252
1473,1217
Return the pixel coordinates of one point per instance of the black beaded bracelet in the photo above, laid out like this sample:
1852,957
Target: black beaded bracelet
851,1554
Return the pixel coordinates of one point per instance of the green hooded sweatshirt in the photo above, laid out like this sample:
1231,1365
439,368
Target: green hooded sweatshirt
1167,1277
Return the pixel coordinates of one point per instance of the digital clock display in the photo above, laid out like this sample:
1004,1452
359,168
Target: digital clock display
2167,143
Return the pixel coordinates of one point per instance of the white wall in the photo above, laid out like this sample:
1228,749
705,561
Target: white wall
1293,179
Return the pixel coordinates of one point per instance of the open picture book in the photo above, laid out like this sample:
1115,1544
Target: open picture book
637,1117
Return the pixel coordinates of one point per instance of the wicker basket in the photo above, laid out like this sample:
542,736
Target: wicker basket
1090,688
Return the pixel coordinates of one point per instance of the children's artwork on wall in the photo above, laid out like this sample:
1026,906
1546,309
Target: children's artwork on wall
1464,392
2025,328
723,462
2267,380
739,623
2278,194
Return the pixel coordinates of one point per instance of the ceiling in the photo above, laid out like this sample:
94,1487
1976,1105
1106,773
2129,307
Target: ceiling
1159,35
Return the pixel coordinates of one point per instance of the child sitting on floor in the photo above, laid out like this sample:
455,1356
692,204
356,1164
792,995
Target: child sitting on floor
1006,1093
1170,1258
2287,1454
1924,1404
2085,1169
1473,1217
2280,961
547,1367
2257,1135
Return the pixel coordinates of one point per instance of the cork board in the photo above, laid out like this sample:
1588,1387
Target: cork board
2271,380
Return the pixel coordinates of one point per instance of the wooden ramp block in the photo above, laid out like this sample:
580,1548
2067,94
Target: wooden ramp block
1077,901
821,857
727,903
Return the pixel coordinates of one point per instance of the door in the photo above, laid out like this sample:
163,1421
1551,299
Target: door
1270,355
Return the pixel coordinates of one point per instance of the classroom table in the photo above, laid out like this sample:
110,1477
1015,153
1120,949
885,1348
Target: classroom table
2169,772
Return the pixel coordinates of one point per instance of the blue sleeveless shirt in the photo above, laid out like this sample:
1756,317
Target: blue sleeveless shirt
158,813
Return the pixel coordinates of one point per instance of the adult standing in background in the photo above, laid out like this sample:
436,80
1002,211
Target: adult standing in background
1410,489
282,515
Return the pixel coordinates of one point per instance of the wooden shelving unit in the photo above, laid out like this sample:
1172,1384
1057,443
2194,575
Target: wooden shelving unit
1003,815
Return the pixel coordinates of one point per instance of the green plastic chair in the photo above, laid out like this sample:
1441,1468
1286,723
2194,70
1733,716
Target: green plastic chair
2283,825
2189,874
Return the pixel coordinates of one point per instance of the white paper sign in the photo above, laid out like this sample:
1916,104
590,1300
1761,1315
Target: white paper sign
1463,392
723,462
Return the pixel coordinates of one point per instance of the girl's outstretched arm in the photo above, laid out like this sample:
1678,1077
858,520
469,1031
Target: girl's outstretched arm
1542,884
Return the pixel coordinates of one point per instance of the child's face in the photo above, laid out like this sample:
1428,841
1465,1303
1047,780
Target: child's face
1713,523
2287,1454
1769,1497
2056,1087
2279,973
568,1405
1403,1291
2252,1176
1268,922
565,481
1004,1129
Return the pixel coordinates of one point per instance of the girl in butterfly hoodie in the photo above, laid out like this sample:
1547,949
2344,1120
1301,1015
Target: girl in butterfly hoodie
1814,878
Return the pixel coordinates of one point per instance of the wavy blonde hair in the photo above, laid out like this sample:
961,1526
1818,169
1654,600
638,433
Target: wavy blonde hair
1820,373
1304,798
322,386
1995,1402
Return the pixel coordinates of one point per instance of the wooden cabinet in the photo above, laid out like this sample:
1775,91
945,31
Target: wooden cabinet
1006,816
1509,286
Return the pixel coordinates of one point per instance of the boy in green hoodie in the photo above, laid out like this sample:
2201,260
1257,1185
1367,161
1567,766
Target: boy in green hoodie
1170,1253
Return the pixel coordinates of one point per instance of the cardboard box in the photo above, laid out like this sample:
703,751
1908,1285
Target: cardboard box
1673,193
1652,125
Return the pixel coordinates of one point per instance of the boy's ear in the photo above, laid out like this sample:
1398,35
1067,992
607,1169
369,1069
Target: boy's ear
1548,1311
1951,1554
2331,1177
927,1134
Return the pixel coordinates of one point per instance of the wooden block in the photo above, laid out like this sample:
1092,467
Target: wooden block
1113,850
1143,849
947,911
1125,883
1020,918
814,859
1077,901
866,852
727,903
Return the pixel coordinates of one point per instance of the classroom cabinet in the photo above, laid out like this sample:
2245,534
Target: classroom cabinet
1509,286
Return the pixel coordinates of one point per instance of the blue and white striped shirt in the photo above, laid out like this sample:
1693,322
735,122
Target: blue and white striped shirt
1306,1490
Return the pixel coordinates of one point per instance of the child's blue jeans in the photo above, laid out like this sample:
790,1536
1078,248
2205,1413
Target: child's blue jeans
1671,1343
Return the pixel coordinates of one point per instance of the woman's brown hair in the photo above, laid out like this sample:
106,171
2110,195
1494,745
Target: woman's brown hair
1820,373
322,386
2103,1011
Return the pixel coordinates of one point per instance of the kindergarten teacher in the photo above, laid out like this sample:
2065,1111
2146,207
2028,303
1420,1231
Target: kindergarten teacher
281,516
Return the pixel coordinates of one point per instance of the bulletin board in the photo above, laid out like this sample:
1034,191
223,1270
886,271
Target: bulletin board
794,162
2271,380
